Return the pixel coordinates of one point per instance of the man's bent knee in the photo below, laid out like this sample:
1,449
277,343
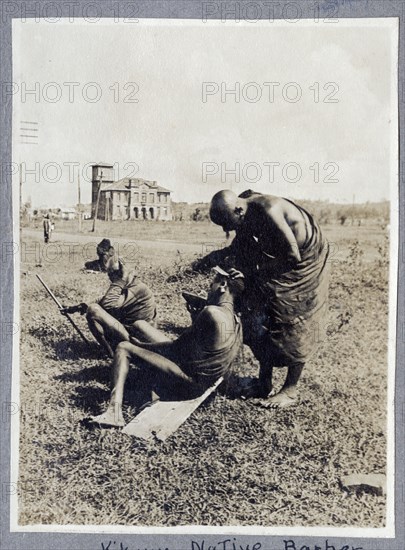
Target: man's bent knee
94,311
141,325
124,349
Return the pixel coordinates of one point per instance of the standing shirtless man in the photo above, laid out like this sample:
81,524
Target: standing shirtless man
280,250
187,366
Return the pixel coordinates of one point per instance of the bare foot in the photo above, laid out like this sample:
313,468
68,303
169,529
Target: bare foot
249,388
154,398
111,417
281,400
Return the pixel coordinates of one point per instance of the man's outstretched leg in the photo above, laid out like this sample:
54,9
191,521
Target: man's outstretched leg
113,415
124,353
146,332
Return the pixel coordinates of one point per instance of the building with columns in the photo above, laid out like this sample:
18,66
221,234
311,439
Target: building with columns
128,198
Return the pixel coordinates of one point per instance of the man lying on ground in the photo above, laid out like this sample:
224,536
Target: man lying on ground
113,318
105,251
189,365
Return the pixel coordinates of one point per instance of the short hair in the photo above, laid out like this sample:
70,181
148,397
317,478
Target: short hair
105,247
222,202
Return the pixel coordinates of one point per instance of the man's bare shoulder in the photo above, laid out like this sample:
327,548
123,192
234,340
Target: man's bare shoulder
268,205
213,314
266,202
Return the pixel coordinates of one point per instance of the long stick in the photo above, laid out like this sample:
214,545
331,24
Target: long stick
98,201
79,200
54,298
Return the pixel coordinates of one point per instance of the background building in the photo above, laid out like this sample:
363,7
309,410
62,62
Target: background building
128,198
68,213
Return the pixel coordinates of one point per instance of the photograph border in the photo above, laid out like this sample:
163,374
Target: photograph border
154,537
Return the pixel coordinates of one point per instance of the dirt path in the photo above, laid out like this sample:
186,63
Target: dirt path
162,250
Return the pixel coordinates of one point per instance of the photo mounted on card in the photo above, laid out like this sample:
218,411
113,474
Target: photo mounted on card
206,219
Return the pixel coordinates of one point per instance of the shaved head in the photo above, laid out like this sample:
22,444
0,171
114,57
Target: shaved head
223,203
226,210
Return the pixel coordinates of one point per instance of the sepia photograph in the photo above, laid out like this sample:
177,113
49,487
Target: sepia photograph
206,251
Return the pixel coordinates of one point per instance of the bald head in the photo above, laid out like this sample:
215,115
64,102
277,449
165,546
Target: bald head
225,210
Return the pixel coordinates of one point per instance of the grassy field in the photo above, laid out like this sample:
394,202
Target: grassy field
231,463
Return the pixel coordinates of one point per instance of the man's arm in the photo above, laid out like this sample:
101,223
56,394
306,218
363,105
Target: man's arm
284,234
216,257
114,298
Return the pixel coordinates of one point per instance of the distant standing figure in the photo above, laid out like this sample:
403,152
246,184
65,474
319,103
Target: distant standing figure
48,226
105,251
281,251
128,300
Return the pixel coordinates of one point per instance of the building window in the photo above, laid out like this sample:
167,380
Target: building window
136,197
143,199
151,197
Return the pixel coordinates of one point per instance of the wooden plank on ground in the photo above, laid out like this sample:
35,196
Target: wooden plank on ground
163,418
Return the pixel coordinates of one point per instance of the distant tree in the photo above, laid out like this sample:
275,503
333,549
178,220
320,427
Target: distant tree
25,212
324,216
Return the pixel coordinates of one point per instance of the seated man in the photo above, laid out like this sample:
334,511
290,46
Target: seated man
128,300
104,252
187,366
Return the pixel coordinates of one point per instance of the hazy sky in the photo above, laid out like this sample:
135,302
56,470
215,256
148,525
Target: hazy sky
170,132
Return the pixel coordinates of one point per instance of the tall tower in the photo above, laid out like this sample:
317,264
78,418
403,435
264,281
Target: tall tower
100,172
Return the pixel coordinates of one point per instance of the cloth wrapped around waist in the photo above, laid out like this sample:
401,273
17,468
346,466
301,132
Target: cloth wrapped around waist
287,313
